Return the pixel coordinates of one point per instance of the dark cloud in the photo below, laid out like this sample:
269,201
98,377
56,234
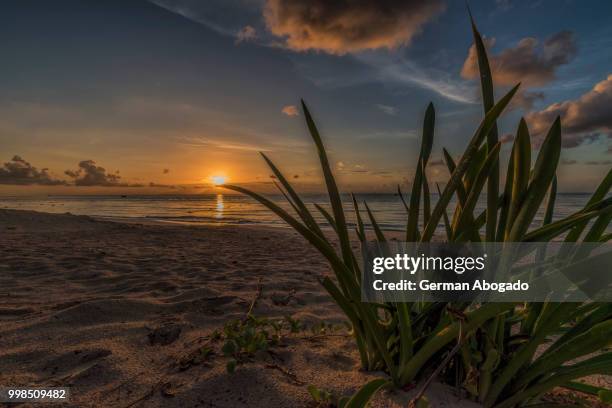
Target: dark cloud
438,162
389,110
583,120
527,62
382,173
570,140
89,174
157,185
343,26
246,33
599,162
525,100
20,172
504,5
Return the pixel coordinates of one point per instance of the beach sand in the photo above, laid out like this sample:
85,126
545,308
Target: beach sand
119,311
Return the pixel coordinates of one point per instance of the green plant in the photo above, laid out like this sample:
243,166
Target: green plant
321,397
360,399
384,333
497,366
295,326
244,338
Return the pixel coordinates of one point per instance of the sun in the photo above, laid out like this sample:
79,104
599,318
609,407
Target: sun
218,180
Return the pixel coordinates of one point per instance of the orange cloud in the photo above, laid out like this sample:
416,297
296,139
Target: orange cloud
526,62
344,26
290,110
583,119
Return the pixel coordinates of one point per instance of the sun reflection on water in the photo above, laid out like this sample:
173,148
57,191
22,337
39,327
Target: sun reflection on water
220,206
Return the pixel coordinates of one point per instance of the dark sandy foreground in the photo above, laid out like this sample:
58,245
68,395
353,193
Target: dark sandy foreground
116,311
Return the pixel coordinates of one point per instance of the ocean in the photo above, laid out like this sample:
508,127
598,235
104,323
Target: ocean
230,209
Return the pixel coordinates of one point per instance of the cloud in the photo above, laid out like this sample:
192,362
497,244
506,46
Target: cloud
583,119
20,172
397,71
599,162
435,163
349,168
525,100
217,15
246,33
389,110
290,110
89,174
527,62
197,141
568,162
346,26
157,185
166,171
504,5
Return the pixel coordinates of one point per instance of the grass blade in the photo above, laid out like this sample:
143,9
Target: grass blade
543,174
297,201
521,164
344,276
451,186
330,220
379,234
467,212
360,227
486,85
332,190
365,393
599,194
401,196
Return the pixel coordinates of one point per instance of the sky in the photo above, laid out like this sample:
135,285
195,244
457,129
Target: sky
170,96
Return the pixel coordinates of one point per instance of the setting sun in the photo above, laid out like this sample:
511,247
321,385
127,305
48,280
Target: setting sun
218,180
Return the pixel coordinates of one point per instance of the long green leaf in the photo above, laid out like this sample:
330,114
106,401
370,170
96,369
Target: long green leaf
484,128
403,200
486,84
332,190
521,159
597,365
328,217
543,174
365,393
449,333
505,198
344,276
296,201
379,234
468,210
360,227
554,229
551,317
594,339
599,194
